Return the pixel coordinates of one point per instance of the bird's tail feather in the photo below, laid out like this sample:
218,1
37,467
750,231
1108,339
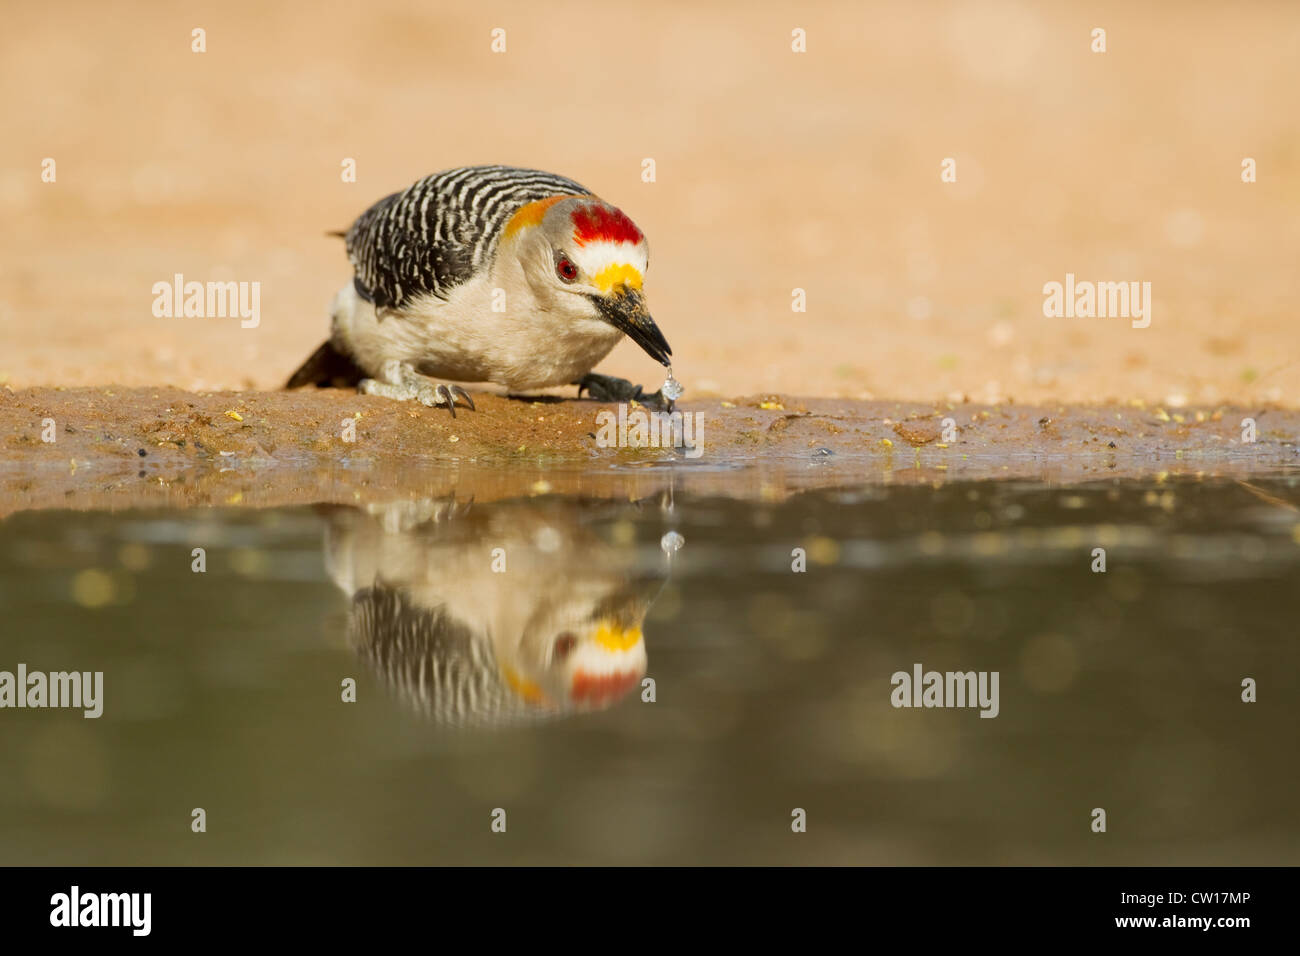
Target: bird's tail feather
327,367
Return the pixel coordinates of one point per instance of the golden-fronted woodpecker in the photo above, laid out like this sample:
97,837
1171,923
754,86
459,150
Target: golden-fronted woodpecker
487,274
494,614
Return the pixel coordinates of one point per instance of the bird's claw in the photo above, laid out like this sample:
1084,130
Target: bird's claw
457,390
447,395
401,381
607,388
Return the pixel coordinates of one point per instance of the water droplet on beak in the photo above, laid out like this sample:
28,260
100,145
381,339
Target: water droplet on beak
672,389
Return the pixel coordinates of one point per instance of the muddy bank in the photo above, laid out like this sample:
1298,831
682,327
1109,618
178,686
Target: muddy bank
143,447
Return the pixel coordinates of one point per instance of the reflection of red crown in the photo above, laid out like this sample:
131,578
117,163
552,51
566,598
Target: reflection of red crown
601,689
603,223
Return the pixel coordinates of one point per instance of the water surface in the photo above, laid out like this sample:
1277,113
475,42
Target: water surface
500,652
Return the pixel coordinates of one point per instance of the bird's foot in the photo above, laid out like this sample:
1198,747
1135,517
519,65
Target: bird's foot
607,388
404,516
401,381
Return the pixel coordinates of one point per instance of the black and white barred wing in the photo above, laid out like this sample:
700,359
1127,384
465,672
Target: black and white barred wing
441,230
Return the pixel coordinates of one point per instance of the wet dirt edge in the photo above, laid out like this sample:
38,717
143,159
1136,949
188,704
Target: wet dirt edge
164,447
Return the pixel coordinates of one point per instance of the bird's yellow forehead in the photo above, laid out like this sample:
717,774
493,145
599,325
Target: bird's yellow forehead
618,273
613,637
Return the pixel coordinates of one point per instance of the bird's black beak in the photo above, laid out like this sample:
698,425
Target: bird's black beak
625,309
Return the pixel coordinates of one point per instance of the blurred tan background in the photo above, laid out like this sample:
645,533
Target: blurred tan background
775,170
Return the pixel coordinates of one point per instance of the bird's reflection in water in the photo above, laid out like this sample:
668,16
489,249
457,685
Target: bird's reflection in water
493,614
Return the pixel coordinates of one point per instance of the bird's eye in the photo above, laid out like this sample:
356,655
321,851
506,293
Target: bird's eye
565,269
564,645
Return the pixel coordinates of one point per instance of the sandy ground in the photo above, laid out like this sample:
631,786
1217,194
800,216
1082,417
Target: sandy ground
120,448
774,171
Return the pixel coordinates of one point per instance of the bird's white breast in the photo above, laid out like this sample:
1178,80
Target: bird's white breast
491,329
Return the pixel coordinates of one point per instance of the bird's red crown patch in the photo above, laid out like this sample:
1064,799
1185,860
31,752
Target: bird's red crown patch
603,224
